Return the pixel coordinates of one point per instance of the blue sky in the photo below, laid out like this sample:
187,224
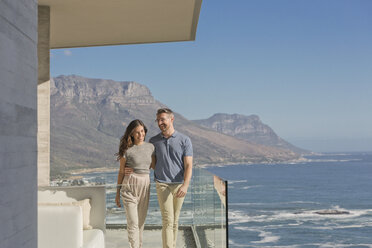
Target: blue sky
305,67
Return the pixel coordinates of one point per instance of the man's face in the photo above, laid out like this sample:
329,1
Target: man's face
164,121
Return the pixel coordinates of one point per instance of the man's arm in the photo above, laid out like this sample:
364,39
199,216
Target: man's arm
187,161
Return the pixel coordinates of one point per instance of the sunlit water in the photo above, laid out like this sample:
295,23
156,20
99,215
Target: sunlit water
276,205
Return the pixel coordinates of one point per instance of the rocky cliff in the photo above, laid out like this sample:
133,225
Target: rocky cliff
249,128
88,116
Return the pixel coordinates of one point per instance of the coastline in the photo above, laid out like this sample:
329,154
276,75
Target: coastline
218,164
76,174
93,170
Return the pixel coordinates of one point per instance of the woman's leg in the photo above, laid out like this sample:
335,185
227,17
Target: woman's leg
143,185
132,224
131,204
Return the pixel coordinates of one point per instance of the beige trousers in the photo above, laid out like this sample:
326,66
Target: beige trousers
135,193
170,207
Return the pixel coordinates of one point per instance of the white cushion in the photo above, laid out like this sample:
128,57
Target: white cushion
84,204
60,227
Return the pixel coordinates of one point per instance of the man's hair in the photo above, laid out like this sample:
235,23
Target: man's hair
165,110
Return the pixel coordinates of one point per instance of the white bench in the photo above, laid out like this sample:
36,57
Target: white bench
60,217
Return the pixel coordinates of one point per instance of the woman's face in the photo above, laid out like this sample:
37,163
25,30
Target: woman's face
138,134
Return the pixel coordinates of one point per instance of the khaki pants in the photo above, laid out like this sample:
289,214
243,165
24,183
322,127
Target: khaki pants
170,207
135,193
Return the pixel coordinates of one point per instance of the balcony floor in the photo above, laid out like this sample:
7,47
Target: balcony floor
118,238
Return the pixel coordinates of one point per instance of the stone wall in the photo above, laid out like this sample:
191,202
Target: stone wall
43,96
18,123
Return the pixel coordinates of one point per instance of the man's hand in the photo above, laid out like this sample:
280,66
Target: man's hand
187,160
182,191
128,171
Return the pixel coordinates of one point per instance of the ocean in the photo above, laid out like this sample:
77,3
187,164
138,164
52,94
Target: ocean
284,205
276,205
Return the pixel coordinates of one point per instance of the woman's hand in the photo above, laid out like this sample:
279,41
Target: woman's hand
117,200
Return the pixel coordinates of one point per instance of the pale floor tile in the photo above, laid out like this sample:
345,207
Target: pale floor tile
118,238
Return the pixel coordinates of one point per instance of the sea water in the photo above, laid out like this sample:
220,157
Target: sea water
275,205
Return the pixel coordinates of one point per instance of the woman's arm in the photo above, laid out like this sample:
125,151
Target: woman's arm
120,180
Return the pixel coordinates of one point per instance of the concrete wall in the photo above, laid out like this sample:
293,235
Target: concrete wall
18,123
43,96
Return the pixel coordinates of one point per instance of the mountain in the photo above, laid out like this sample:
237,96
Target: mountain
88,117
249,128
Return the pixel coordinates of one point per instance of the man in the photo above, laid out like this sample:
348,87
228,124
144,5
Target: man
172,173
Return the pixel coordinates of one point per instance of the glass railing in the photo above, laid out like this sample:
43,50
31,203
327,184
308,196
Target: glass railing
209,200
203,214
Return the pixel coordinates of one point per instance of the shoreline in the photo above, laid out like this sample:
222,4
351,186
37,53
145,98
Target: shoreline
77,173
93,170
219,164
201,165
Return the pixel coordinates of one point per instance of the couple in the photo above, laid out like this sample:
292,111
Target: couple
169,154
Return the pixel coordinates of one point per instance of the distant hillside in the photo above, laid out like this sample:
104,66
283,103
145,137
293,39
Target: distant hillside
88,116
249,128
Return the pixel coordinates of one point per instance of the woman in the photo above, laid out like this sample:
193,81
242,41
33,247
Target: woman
134,188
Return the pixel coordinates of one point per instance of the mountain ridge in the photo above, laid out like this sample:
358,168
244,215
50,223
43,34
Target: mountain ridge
88,116
249,128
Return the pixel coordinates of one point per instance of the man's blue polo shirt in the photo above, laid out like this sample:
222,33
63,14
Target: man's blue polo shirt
169,157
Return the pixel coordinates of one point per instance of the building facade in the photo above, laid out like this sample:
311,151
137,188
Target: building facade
18,123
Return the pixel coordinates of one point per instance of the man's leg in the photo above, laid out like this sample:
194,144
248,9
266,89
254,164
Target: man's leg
165,199
177,205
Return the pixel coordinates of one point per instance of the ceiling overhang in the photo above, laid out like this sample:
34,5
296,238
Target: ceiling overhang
83,23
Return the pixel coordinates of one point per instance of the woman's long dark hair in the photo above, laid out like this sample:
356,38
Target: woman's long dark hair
127,140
